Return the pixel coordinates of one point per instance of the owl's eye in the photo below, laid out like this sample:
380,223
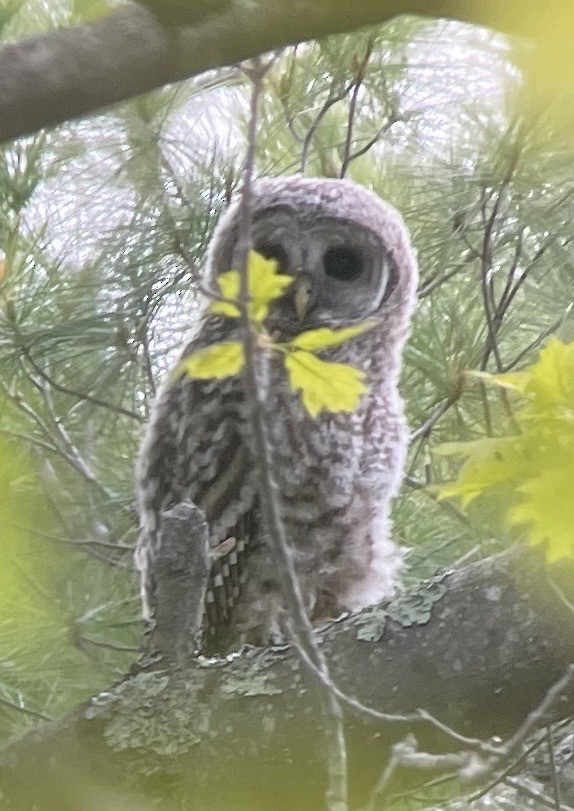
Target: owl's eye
273,250
342,263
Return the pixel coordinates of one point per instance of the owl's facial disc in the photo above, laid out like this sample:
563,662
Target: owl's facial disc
341,269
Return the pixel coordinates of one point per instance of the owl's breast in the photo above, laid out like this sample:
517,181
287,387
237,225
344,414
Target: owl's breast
316,459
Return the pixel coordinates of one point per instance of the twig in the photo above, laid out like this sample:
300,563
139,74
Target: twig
438,281
96,643
359,78
535,717
148,362
512,766
417,716
537,341
73,453
522,788
117,547
330,101
336,793
485,274
446,505
89,398
555,779
406,754
35,441
552,697
373,140
425,429
32,713
560,594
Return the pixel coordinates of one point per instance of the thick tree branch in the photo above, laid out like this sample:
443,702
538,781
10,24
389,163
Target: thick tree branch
479,650
67,73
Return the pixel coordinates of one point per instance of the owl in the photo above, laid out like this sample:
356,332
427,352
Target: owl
351,259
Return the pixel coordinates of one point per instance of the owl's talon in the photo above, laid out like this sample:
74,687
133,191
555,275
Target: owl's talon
224,548
276,640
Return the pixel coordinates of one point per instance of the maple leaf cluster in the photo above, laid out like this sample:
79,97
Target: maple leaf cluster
536,464
324,385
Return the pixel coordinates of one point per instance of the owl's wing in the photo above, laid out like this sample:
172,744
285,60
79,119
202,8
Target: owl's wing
197,450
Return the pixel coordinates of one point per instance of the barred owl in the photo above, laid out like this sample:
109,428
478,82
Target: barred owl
351,258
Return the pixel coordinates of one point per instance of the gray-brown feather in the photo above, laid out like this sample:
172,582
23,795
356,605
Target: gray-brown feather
336,474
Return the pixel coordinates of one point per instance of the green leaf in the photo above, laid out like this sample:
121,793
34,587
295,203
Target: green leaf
90,10
490,463
221,360
548,511
228,288
265,285
324,386
324,338
549,381
533,471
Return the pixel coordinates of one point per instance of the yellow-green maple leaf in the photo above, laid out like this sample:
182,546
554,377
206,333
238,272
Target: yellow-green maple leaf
547,510
490,462
323,385
220,360
548,382
315,340
537,464
265,284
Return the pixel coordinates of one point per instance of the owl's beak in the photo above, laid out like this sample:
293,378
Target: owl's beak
302,296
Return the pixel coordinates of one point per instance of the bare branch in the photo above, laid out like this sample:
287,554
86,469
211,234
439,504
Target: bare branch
538,340
406,754
332,99
522,788
23,710
513,766
427,426
555,694
127,52
84,396
393,718
298,621
358,81
550,744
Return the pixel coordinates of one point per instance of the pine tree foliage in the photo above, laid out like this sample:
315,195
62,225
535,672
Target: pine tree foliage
103,225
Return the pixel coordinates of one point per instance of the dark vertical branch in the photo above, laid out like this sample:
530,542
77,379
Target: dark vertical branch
298,621
359,78
494,313
486,278
332,99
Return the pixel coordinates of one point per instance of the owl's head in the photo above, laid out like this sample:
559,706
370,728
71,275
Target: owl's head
349,252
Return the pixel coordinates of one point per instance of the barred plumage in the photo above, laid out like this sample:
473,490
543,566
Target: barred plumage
336,474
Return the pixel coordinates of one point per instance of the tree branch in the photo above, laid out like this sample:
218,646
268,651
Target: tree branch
67,73
478,649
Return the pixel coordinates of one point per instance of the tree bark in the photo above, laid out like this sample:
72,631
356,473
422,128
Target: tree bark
478,649
68,73
181,574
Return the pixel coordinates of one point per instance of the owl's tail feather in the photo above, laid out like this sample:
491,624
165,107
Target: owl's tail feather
226,579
